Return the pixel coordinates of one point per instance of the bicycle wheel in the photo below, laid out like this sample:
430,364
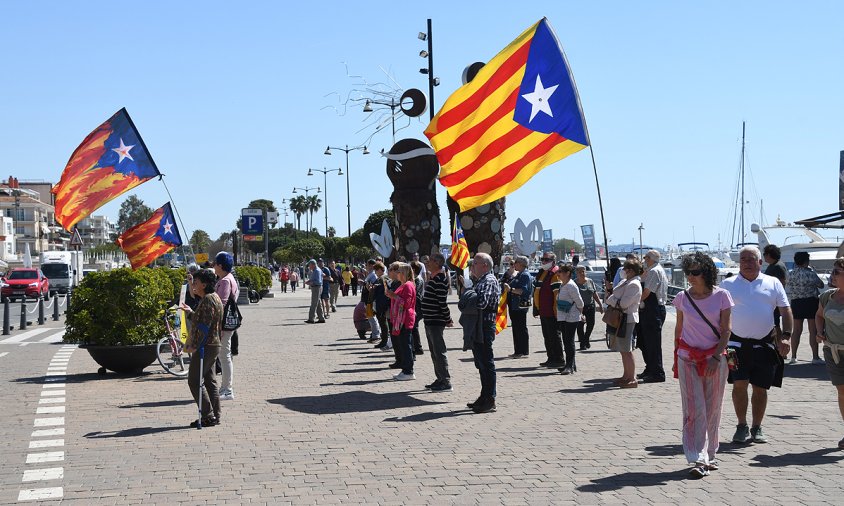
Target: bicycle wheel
174,363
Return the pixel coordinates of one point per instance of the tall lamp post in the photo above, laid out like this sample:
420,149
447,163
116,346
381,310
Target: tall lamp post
367,107
429,54
325,173
306,190
641,227
348,193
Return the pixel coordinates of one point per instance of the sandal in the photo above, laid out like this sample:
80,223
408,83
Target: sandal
699,471
630,384
713,465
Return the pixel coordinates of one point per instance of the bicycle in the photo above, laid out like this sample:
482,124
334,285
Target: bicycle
170,349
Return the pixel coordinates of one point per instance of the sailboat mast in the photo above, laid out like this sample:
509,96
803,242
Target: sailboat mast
741,230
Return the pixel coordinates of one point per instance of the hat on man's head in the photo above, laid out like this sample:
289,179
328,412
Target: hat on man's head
224,260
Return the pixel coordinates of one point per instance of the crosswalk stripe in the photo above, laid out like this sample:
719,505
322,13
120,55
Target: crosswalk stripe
46,443
23,337
37,458
50,393
36,494
49,409
50,473
52,400
58,431
55,338
46,422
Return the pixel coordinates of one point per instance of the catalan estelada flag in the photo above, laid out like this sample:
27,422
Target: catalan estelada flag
147,241
518,115
501,315
459,256
110,161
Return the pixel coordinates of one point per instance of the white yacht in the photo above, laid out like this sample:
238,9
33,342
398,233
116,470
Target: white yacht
793,238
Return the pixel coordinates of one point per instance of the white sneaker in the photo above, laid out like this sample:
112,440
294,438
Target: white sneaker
792,361
404,377
227,395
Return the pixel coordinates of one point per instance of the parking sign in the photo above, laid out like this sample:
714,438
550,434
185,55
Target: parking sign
252,221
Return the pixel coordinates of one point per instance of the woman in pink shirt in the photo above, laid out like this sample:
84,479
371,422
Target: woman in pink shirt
700,338
403,317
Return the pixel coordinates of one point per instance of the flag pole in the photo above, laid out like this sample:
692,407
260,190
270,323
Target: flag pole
179,217
600,202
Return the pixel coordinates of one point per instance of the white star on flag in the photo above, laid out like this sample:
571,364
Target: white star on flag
123,151
167,227
539,99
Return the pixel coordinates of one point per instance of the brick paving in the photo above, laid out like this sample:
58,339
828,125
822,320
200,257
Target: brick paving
318,420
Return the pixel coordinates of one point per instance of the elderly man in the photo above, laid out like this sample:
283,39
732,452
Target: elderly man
314,280
546,287
334,286
488,295
651,318
437,317
756,295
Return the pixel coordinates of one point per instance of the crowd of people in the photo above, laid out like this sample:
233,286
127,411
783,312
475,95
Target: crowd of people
738,333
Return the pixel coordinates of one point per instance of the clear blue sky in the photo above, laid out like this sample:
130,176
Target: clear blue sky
233,101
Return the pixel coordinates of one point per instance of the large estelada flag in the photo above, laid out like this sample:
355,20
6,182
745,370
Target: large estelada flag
459,256
110,161
147,241
518,115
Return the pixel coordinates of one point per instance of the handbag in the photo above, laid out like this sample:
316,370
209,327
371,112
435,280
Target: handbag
232,319
613,316
564,305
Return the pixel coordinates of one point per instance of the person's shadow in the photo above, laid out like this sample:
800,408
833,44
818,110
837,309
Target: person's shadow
634,479
814,458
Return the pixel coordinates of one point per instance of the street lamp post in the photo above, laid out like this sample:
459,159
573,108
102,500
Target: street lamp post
641,227
306,190
348,193
325,173
367,107
429,54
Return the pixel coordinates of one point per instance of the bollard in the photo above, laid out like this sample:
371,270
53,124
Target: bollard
55,307
23,315
40,310
67,303
6,317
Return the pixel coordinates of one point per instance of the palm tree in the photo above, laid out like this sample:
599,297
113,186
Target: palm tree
299,206
314,205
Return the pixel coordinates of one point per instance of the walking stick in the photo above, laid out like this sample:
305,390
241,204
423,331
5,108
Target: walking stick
203,328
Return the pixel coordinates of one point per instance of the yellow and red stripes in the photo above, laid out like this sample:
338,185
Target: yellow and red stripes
501,315
141,243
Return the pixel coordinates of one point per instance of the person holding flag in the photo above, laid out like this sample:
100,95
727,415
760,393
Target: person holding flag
487,301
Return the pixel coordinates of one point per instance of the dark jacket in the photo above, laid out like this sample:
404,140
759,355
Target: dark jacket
470,318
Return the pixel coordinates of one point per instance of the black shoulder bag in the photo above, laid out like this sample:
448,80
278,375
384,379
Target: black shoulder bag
232,318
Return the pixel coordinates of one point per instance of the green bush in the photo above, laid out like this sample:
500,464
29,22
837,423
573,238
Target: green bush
258,278
120,307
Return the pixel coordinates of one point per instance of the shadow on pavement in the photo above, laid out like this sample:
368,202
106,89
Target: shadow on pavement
815,458
427,417
357,401
542,373
515,369
358,383
338,344
159,404
677,449
633,479
806,371
138,431
364,369
374,362
74,378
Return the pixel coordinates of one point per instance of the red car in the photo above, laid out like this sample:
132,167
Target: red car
25,282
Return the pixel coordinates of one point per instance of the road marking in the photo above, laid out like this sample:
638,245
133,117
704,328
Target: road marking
47,393
36,494
55,373
62,368
23,337
46,443
4,354
52,400
54,385
49,409
51,473
55,338
37,458
46,422
48,432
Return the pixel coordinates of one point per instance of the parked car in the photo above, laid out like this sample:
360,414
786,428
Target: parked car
23,282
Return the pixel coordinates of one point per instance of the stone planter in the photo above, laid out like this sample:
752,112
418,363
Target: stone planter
122,359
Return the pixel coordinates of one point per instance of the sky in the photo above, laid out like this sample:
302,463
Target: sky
236,101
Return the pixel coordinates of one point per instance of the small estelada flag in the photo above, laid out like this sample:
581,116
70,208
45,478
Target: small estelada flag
459,248
147,241
501,315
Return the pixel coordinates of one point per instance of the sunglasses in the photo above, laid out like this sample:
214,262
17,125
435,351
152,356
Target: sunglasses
693,272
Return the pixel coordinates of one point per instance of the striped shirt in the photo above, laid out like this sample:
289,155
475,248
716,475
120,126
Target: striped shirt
434,306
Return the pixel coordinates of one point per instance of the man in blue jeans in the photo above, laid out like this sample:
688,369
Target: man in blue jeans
489,294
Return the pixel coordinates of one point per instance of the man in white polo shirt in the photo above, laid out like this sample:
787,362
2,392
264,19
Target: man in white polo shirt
759,352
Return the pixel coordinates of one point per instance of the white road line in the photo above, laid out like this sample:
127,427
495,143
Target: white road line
59,431
47,422
23,337
52,400
50,473
37,458
58,368
48,393
4,354
55,373
53,385
37,494
55,338
46,443
49,409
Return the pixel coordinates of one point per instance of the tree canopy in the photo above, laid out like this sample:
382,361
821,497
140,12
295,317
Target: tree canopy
132,212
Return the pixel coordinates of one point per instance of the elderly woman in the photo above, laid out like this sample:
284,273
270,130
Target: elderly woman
700,338
518,285
589,294
206,321
802,289
831,333
228,289
626,296
569,315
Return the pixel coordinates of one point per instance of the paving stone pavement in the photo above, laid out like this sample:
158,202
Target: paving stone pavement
318,420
